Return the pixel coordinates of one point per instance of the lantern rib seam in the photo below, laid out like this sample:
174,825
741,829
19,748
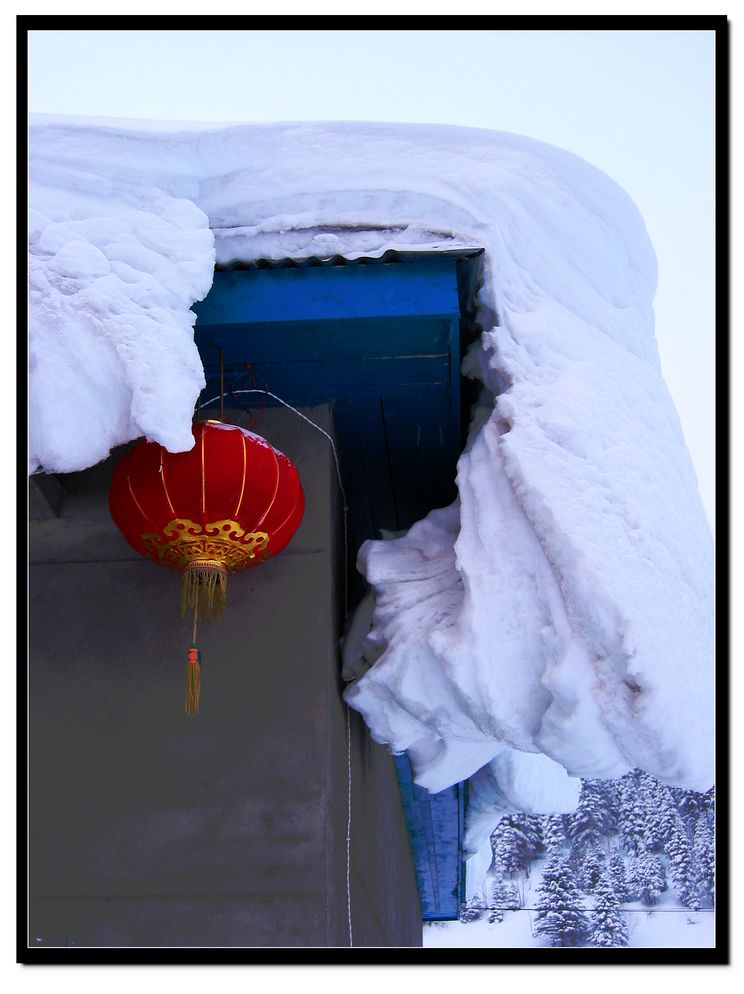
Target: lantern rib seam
273,499
294,508
203,475
147,517
242,487
165,488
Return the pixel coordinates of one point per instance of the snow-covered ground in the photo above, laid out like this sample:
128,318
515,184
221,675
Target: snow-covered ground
563,605
663,927
666,925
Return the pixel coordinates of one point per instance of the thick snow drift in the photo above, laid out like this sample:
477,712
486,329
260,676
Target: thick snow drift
563,605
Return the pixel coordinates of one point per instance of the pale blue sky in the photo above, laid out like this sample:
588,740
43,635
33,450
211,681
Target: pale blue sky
637,104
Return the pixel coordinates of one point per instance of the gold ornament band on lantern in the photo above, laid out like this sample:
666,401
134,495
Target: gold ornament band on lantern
183,541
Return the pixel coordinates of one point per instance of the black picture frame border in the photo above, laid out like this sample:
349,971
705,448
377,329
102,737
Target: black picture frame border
537,956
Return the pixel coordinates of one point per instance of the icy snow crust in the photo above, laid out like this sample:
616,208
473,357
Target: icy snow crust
563,605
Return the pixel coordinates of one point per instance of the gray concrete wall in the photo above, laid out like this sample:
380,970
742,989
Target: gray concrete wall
227,829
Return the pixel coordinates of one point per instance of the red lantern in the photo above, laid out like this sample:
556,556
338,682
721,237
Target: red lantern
228,504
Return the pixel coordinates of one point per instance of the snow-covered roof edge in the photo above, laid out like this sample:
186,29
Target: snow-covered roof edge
570,613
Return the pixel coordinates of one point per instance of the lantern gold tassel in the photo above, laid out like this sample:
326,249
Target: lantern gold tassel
193,682
204,589
193,673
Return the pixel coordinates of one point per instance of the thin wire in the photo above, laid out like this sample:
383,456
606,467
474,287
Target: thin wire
346,611
348,825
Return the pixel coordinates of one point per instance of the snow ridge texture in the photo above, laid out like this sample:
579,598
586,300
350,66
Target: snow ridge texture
556,621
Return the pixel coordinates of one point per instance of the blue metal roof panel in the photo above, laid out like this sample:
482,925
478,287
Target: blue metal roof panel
305,293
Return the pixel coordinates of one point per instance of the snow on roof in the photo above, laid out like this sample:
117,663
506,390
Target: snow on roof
563,605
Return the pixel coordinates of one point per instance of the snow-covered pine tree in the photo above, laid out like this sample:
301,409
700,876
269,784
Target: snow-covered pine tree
471,910
516,842
505,895
652,794
631,820
553,832
607,927
668,818
529,826
709,804
631,877
689,803
679,855
649,878
608,792
508,851
702,871
591,869
559,914
618,875
593,818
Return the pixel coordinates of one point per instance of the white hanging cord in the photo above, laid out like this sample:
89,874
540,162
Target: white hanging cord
268,393
300,414
348,824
